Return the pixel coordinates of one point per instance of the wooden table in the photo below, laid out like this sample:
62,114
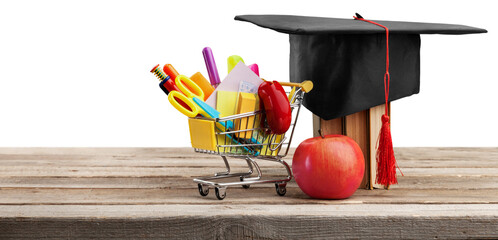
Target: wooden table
148,192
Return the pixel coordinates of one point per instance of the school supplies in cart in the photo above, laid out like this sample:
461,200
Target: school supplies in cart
266,146
233,123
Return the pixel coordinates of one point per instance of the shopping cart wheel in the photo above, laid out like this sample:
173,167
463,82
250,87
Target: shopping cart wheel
281,188
246,186
220,193
204,191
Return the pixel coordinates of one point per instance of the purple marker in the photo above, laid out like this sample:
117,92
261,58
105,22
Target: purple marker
214,78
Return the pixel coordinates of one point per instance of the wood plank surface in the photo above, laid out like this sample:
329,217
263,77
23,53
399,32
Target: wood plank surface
235,196
149,192
414,182
252,222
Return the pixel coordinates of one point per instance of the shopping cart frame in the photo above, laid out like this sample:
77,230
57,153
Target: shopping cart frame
275,148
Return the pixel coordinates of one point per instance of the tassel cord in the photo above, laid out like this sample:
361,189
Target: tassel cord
386,162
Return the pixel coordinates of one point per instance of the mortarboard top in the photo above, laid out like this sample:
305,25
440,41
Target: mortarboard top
345,58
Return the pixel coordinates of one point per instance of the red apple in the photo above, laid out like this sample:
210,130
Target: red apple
329,167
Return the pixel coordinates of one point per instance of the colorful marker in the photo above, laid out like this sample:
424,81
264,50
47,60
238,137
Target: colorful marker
232,62
167,84
171,71
162,77
214,77
254,68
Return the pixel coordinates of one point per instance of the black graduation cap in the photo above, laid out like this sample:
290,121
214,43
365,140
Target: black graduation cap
346,58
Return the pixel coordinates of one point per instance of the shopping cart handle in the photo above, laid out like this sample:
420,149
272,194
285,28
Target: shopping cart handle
306,86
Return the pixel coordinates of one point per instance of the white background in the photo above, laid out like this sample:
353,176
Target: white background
76,73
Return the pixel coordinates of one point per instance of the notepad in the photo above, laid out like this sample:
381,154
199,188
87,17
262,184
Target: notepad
202,134
226,103
232,81
247,102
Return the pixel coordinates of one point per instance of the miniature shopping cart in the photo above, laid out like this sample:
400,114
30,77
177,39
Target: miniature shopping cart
245,136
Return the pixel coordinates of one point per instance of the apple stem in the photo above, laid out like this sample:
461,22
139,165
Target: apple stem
321,133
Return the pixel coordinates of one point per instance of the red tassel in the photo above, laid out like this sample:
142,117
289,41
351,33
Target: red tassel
386,163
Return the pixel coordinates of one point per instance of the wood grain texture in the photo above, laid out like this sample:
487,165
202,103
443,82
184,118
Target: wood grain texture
252,221
235,196
251,227
356,127
316,125
148,192
375,124
333,126
410,182
364,128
